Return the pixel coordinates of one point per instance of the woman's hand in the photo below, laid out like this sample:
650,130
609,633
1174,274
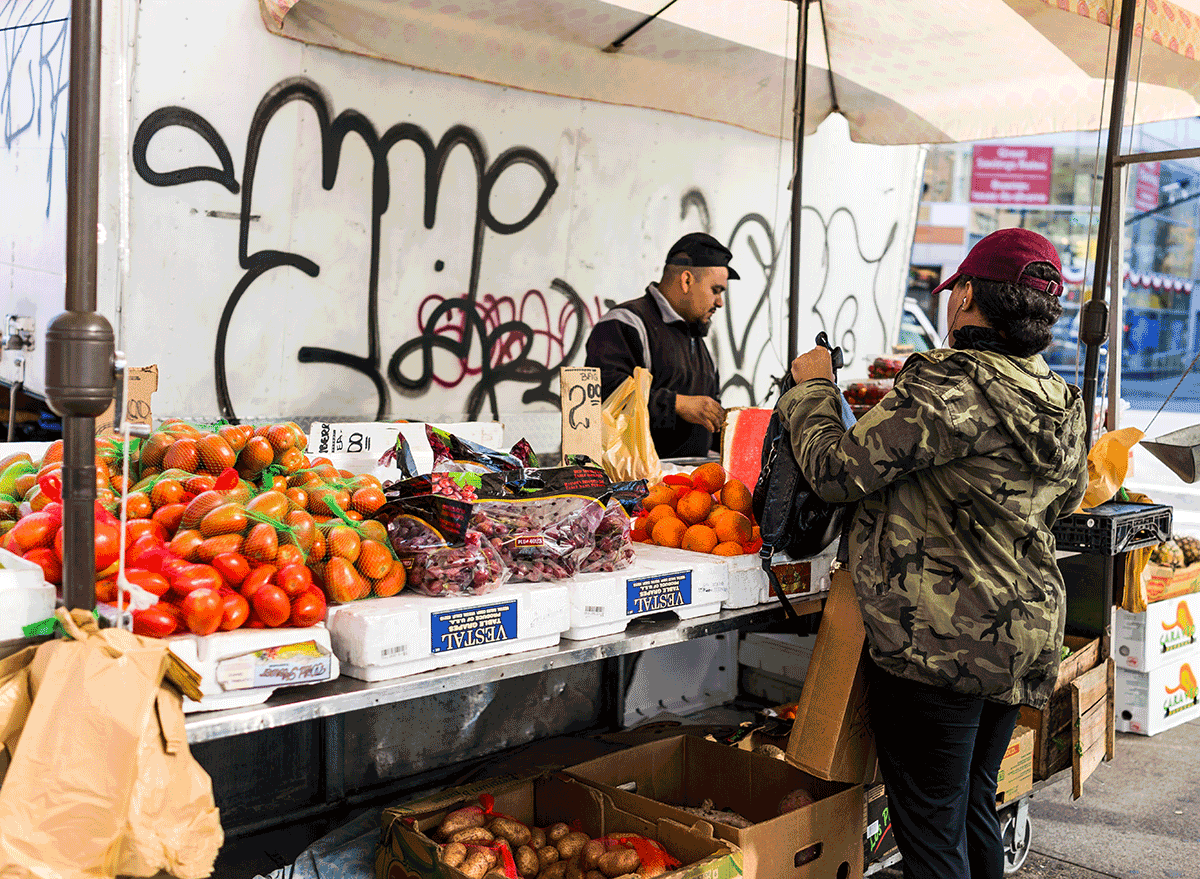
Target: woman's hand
812,364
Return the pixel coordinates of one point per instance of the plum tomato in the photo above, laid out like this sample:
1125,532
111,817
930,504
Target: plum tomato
156,584
108,543
233,567
194,577
235,611
258,578
272,605
294,579
135,529
203,610
307,610
35,530
50,563
154,622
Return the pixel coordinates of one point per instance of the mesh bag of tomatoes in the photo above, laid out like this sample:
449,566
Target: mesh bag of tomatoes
251,451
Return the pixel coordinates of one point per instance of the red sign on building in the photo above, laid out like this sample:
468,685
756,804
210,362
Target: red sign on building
1145,196
1012,176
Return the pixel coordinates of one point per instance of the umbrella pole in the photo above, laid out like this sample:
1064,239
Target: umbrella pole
79,342
793,313
1093,317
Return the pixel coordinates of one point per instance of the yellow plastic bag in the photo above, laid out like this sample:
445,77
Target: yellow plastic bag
628,448
1107,464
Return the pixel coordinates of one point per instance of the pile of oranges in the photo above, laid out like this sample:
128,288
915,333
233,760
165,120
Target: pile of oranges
706,511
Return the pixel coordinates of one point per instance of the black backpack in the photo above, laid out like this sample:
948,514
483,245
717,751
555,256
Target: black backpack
791,516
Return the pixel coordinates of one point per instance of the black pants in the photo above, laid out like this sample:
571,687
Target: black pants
939,753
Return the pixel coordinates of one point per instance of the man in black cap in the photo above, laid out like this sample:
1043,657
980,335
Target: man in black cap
664,331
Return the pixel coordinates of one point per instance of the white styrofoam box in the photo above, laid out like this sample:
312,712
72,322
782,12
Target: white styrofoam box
603,604
25,596
772,688
748,584
783,654
1150,702
35,450
817,571
228,677
382,638
357,446
1163,632
682,678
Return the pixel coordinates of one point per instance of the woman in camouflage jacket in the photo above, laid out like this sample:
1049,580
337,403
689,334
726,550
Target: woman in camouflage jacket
957,475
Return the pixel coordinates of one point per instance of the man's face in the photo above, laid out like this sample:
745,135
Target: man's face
703,293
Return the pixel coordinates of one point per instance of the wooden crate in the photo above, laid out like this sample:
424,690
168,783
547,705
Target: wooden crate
1093,732
1053,724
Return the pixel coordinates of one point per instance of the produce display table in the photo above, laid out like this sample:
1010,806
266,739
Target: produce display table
347,694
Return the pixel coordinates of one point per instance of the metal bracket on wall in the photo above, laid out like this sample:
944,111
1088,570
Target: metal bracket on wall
19,333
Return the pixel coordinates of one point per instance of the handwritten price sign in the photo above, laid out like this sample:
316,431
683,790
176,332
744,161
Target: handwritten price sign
581,434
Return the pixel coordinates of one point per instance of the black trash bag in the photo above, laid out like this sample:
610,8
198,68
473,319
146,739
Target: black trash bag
791,516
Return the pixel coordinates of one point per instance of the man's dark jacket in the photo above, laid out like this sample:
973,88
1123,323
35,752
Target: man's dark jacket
647,332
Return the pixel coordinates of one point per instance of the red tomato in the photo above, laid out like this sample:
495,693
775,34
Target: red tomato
106,590
202,610
34,530
135,529
272,605
54,508
154,622
50,564
171,565
307,610
258,578
108,543
233,567
235,611
194,577
145,553
154,583
294,579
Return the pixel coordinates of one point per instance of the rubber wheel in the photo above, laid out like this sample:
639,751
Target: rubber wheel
1017,833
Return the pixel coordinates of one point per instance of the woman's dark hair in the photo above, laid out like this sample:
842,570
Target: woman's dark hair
1022,314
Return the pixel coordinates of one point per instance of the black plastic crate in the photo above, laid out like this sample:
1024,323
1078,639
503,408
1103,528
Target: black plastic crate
1113,527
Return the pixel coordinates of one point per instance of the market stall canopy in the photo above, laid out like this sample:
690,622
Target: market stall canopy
900,71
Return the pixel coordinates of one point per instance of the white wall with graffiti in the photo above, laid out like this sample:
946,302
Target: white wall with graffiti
318,234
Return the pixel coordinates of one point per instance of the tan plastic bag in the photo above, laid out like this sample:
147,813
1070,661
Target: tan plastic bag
101,782
1107,464
628,448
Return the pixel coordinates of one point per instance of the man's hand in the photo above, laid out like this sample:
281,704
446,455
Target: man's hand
813,364
704,411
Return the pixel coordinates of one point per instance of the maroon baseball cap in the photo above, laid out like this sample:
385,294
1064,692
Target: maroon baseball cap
1004,256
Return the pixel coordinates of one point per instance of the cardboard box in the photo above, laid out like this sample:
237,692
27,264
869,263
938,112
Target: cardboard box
406,850
1160,582
831,738
1015,778
1052,724
879,842
823,839
1149,702
1163,632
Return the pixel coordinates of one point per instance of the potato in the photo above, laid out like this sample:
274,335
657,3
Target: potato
489,854
548,855
557,870
555,832
573,871
590,854
515,832
528,864
471,836
460,819
494,874
571,844
475,866
594,874
453,854
537,838
618,862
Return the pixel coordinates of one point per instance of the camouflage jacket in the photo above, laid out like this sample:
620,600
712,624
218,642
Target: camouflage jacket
958,474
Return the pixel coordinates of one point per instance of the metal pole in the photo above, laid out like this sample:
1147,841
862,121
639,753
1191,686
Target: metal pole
1093,317
793,331
79,342
1116,314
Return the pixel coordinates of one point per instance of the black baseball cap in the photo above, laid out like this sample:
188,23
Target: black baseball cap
700,250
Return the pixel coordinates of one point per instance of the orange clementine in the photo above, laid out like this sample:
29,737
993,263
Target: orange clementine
734,528
662,511
727,547
659,495
736,496
669,532
709,477
694,506
715,513
699,538
680,491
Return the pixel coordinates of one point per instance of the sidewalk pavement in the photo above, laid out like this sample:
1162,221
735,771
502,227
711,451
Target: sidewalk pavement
1138,818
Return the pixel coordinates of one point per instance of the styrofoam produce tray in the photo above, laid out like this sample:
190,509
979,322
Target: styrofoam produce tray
382,638
25,596
603,604
212,656
781,654
748,583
